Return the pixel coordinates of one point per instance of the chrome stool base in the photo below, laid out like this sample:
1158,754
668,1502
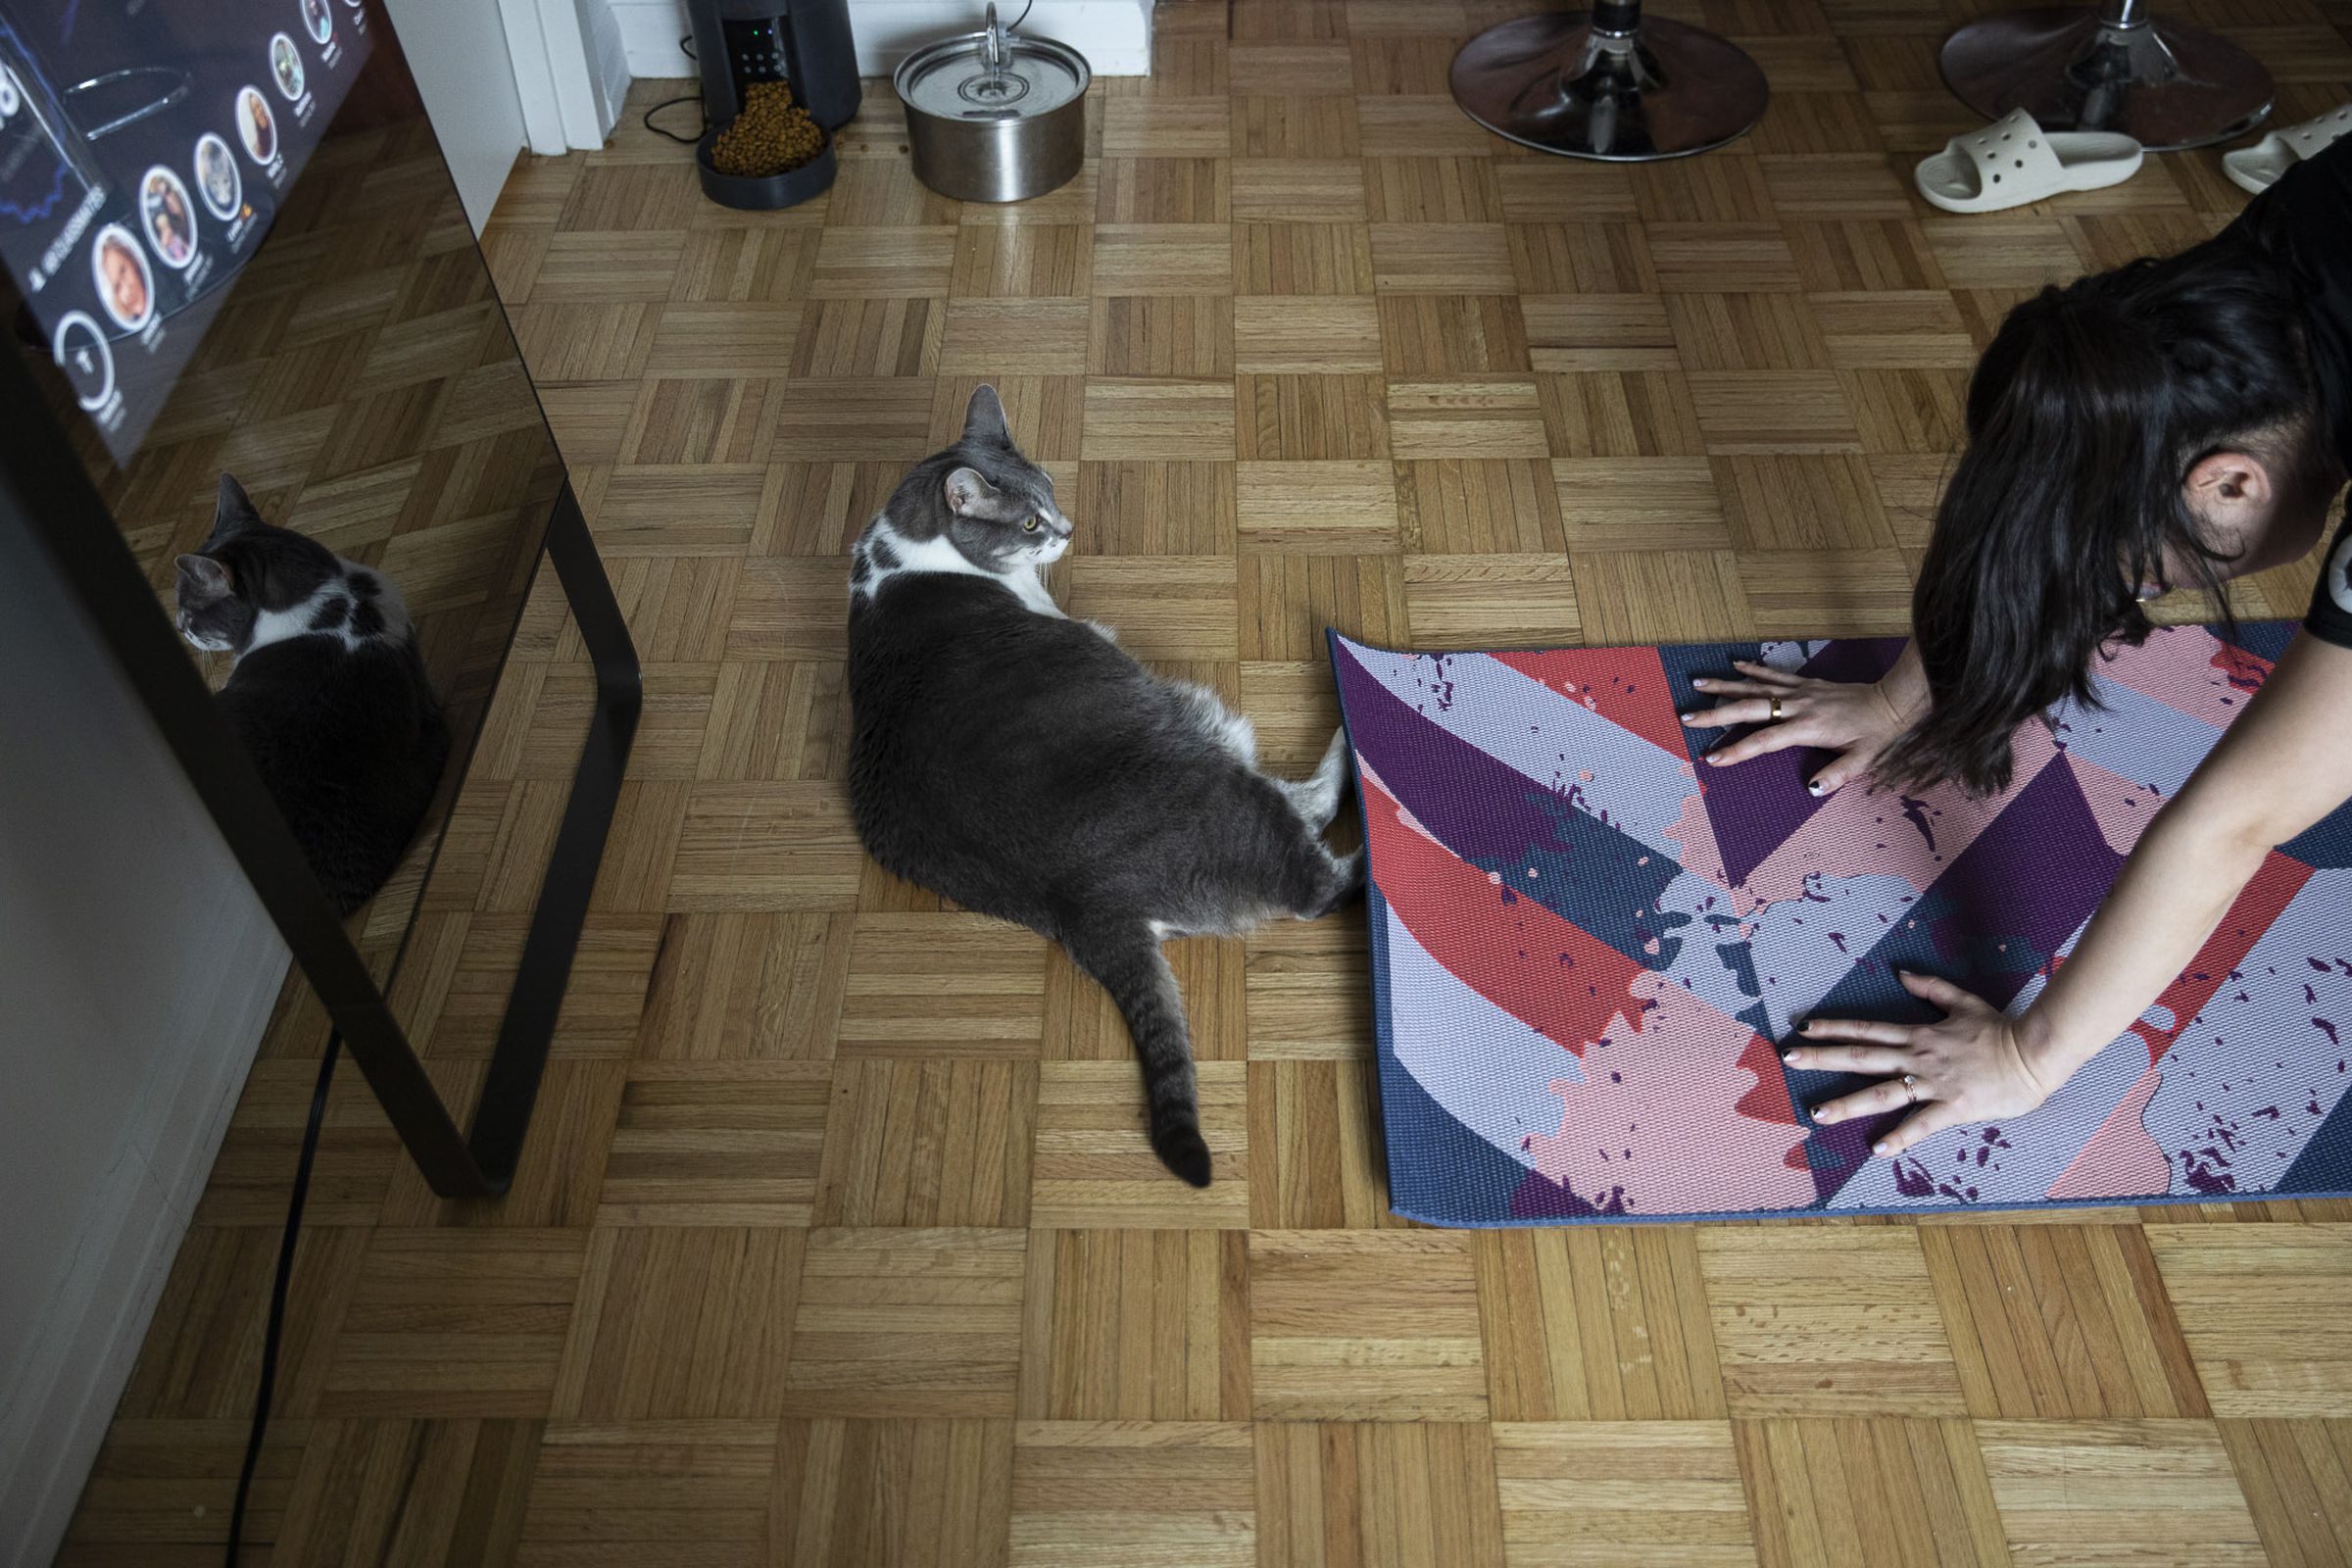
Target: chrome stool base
2164,85
1608,84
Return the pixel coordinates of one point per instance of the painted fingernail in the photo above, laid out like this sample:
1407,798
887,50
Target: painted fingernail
1824,1115
1789,1059
1686,717
1878,1149
1813,786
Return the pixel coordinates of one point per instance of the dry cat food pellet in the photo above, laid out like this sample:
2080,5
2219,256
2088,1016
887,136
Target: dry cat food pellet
772,134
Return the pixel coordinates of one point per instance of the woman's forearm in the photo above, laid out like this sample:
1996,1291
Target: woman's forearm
2285,764
2179,881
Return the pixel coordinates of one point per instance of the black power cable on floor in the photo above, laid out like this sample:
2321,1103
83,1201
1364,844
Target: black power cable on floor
277,1293
685,44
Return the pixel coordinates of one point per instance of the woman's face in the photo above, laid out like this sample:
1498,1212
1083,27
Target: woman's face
123,282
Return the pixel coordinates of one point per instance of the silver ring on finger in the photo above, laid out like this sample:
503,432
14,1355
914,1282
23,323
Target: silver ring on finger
1911,1087
1776,709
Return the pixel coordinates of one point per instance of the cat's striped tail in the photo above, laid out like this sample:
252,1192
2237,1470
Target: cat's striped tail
1130,966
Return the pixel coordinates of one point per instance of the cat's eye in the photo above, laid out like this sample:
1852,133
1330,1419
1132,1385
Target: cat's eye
1030,526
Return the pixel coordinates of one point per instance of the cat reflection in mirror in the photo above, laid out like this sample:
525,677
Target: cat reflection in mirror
1023,764
327,694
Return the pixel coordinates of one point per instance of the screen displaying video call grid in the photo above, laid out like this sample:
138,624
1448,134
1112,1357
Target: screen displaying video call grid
143,151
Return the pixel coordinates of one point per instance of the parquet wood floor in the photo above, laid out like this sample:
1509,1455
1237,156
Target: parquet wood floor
837,1242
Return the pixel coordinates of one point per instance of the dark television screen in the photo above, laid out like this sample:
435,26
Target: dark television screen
143,151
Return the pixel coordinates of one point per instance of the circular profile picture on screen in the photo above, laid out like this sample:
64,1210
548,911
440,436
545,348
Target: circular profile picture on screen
317,18
89,364
285,65
216,177
126,287
168,215
257,128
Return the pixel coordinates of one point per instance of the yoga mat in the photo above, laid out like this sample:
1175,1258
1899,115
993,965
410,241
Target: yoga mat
1588,946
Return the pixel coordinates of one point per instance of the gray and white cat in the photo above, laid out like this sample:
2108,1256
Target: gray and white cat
328,694
1024,765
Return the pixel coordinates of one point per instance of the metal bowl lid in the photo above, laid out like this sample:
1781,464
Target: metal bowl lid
992,74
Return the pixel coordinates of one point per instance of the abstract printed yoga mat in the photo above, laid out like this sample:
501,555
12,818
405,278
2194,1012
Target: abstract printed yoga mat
1586,948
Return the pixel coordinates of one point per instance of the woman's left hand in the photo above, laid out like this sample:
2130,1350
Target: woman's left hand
1973,1067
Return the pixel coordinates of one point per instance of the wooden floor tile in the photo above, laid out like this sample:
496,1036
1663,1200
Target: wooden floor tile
893,1493
908,1322
447,1491
1095,1166
160,1491
1083,1024
1308,982
1593,1324
1289,600
2250,1299
1432,256
2119,1492
1528,601
456,1323
704,1147
1479,506
2060,1320
2297,1479
1154,506
1164,607
1595,1494
927,1142
1309,418
1344,507
681,1323
1888,1490
747,985
1356,1326
1825,1322
787,846
926,985
1388,1494
1279,333
213,1309
1158,419
608,1494
1169,1492
1280,257
1137,1325
1318,1162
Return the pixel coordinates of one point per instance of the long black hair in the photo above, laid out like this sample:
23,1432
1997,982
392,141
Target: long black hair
2085,415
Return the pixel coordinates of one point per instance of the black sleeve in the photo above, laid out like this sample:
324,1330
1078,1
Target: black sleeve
2330,618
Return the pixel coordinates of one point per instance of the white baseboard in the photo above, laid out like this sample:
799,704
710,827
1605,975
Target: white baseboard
54,1411
1114,35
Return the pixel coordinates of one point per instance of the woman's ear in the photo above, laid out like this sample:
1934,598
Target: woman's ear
2223,481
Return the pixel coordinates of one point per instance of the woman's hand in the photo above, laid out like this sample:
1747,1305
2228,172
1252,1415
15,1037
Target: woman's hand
1856,720
1974,1066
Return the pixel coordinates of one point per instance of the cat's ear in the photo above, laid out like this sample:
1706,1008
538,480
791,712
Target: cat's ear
984,419
203,578
969,494
232,509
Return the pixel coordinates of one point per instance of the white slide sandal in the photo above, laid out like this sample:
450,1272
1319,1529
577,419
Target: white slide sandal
2012,162
2258,168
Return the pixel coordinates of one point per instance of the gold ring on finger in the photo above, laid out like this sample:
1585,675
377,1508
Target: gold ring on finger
1776,709
1911,1087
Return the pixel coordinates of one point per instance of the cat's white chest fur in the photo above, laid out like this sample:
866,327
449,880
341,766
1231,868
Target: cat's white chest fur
884,553
331,611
